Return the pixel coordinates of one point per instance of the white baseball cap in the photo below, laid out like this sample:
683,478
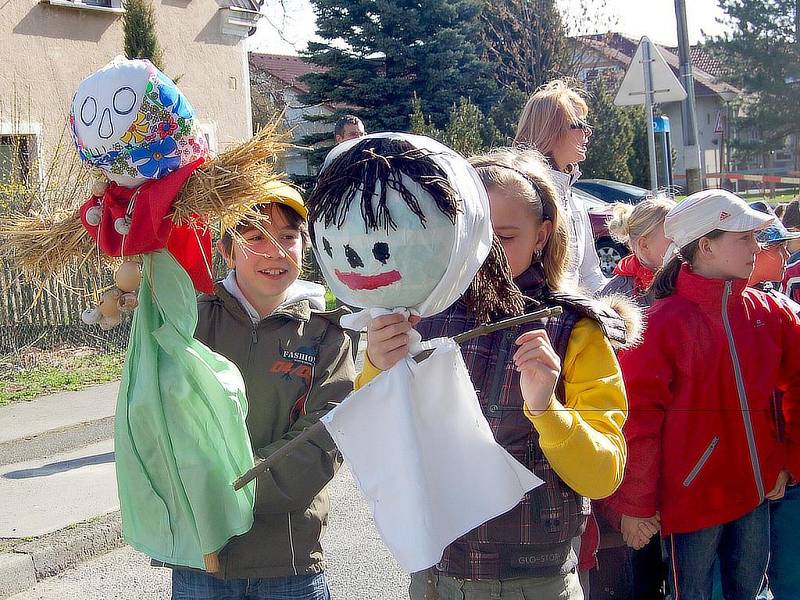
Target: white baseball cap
703,212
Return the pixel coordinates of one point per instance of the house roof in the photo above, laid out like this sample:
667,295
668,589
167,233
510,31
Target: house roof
707,70
286,69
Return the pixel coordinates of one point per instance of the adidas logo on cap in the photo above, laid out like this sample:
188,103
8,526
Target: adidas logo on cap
724,215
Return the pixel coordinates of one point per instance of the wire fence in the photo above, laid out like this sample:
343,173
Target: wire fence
49,316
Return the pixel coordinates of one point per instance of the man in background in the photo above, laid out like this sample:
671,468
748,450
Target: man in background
349,127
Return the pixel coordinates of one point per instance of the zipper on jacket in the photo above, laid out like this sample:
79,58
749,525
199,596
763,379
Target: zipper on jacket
291,543
743,404
703,459
500,370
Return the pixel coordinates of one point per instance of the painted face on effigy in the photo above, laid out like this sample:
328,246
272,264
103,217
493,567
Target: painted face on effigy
130,121
386,218
393,265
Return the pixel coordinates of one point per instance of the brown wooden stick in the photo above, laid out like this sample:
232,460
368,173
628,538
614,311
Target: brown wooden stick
317,427
212,562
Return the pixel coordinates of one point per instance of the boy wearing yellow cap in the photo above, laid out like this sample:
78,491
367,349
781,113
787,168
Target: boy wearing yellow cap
297,364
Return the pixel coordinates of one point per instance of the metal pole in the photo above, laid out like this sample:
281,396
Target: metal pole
648,107
694,175
667,174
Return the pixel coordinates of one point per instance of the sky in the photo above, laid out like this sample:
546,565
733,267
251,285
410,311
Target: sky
633,18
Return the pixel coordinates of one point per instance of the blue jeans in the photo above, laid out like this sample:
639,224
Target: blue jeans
784,575
742,547
196,585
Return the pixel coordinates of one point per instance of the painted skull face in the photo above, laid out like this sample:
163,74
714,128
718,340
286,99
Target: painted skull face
130,120
398,220
391,266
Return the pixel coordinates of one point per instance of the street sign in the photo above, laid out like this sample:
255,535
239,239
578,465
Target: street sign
666,87
647,81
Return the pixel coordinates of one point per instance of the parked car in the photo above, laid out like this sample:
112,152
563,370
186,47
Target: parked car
609,251
611,191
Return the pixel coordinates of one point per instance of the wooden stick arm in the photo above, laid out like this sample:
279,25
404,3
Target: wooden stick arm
278,455
317,427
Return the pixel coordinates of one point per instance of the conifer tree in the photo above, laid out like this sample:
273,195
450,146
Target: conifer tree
139,28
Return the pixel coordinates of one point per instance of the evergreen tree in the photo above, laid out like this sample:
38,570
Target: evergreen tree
639,157
139,29
392,50
762,56
466,131
610,147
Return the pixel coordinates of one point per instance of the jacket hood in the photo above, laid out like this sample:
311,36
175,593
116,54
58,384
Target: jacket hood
300,290
632,316
631,266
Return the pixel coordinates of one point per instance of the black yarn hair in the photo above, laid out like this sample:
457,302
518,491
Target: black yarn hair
381,161
385,161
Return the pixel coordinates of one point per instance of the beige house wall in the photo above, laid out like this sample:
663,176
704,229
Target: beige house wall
46,50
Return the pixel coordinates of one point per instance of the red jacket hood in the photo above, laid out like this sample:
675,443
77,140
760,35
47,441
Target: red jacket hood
631,266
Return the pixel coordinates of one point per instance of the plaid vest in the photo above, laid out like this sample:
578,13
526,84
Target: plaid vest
534,538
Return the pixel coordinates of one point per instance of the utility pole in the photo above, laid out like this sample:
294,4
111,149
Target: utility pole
694,174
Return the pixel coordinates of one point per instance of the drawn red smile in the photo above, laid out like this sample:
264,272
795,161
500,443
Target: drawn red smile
356,281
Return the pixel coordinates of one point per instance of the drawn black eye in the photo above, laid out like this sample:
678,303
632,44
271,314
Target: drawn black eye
381,252
326,245
88,110
123,101
352,257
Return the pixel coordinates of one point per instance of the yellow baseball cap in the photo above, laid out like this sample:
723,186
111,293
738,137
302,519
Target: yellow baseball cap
276,191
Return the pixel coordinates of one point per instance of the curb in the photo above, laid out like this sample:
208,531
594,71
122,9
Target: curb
24,563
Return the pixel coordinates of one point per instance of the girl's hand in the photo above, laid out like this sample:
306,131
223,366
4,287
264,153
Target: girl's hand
637,531
387,339
779,490
539,367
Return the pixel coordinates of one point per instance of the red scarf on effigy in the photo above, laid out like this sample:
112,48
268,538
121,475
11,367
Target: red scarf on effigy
642,275
151,228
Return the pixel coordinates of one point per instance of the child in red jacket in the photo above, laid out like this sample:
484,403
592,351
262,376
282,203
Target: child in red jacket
703,450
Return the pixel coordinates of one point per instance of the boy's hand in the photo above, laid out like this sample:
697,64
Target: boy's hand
779,490
387,339
637,531
539,367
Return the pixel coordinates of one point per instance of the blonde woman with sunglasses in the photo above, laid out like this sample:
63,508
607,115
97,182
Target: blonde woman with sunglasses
554,121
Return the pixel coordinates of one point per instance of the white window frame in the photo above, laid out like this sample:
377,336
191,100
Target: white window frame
34,130
115,8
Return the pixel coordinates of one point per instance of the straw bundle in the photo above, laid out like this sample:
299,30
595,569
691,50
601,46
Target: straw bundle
229,185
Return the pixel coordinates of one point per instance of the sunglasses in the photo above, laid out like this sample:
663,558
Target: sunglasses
580,125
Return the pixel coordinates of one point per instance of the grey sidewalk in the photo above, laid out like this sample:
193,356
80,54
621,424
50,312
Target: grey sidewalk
58,484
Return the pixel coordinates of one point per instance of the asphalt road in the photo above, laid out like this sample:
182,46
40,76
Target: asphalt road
360,567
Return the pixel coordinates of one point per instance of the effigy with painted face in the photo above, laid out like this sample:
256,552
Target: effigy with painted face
180,433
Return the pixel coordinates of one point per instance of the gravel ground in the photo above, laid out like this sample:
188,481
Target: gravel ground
360,567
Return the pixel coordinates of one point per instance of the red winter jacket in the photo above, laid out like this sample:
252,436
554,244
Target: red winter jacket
702,446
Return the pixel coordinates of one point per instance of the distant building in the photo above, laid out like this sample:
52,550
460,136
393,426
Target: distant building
276,85
612,54
49,46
